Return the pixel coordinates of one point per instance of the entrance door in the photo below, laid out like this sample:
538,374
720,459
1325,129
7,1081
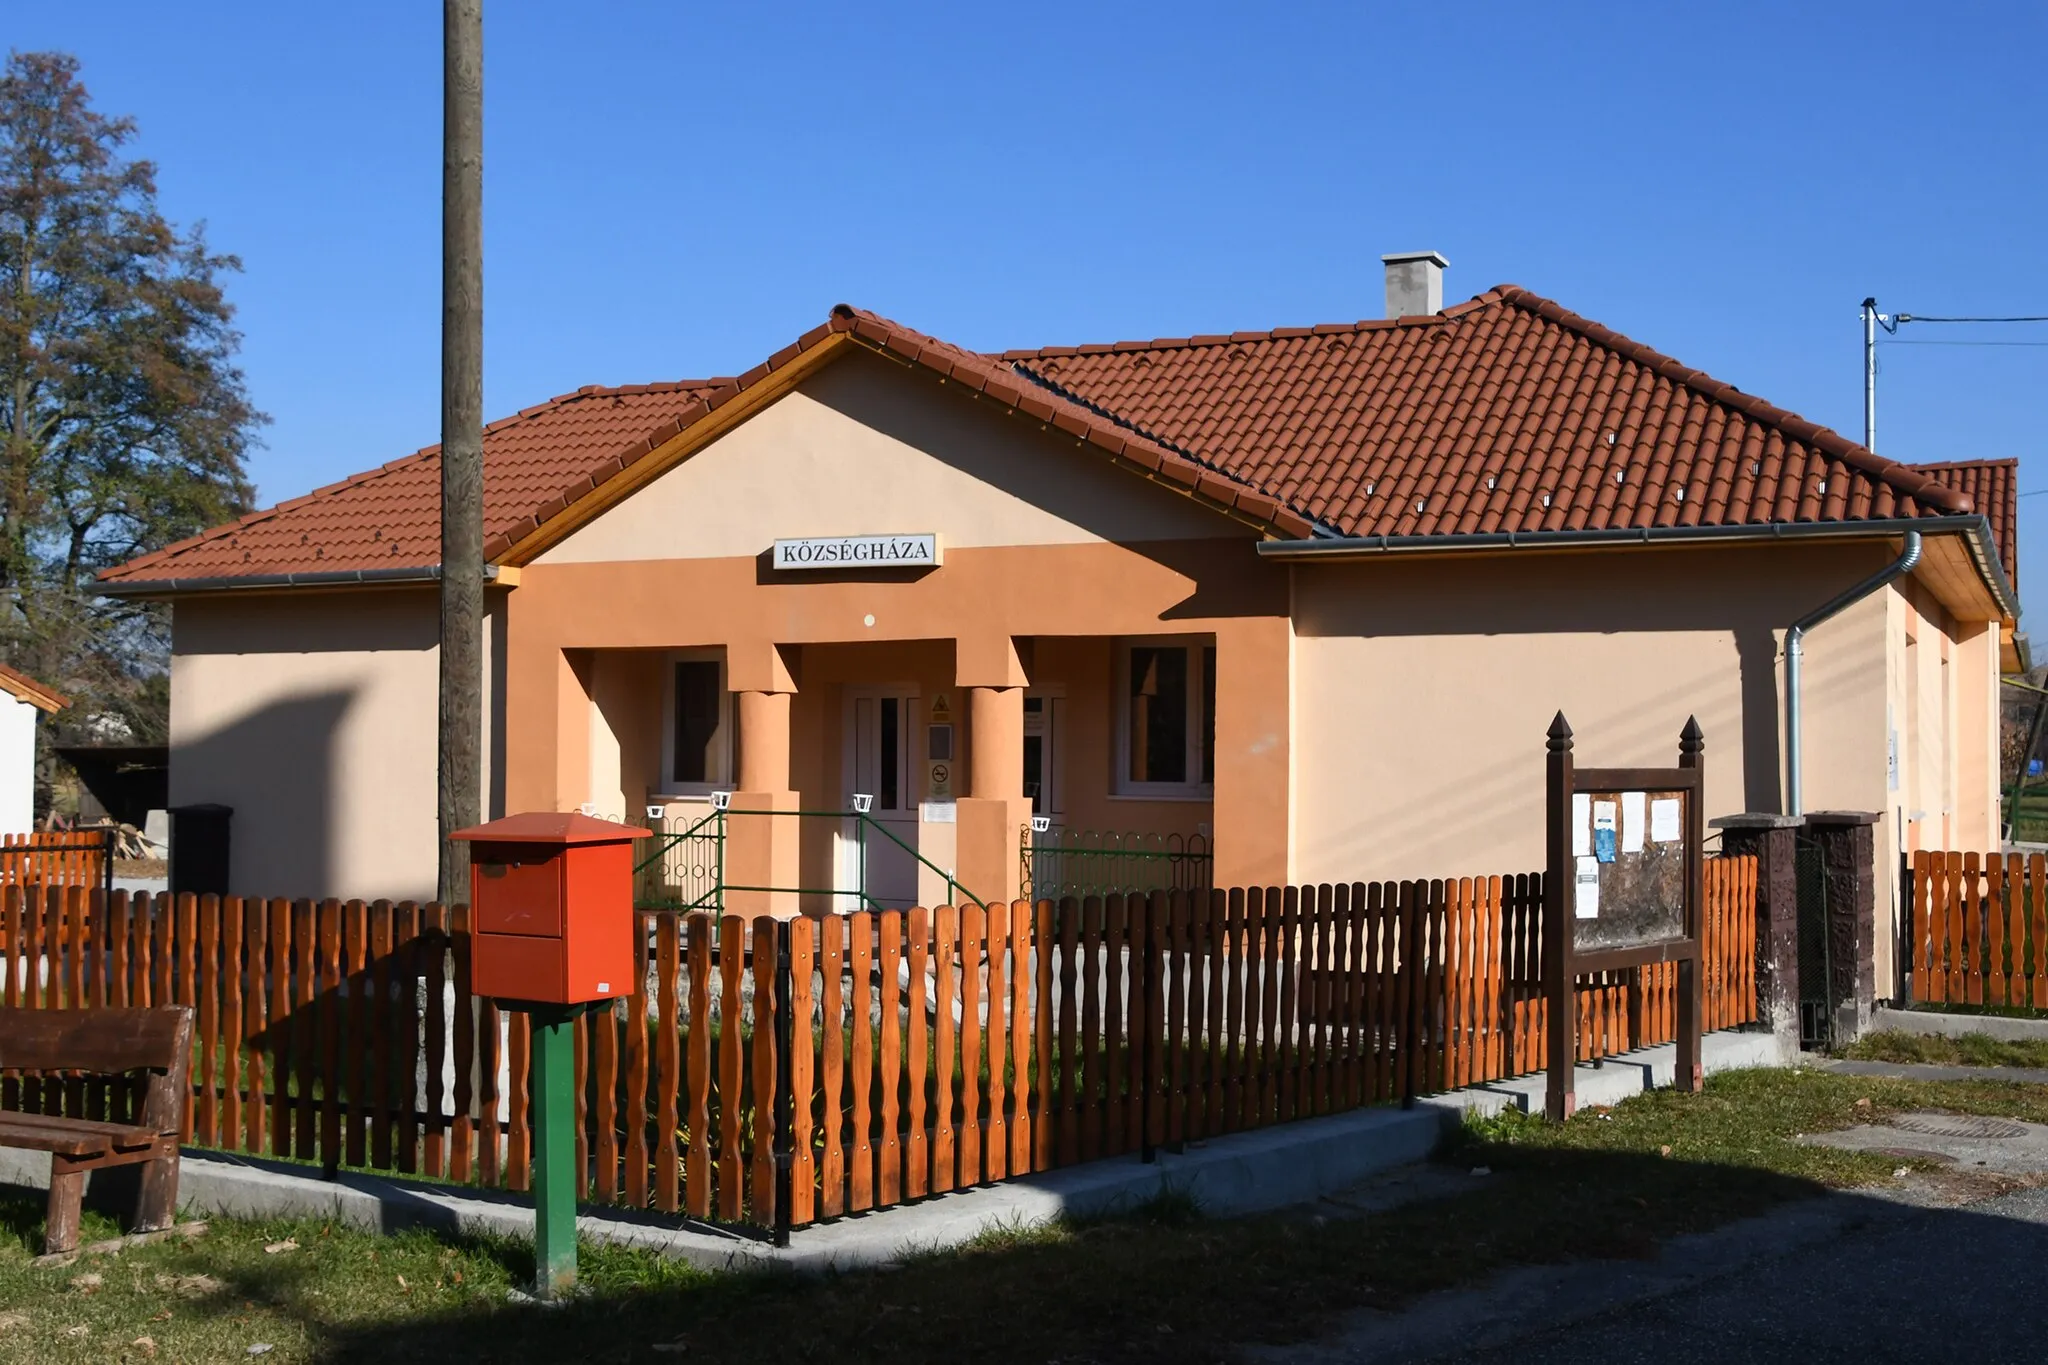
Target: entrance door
881,730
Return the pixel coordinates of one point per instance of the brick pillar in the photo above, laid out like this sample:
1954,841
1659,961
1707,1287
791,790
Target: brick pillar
1847,840
1773,841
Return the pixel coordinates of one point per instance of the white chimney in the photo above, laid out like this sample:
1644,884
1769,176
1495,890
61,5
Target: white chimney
1415,282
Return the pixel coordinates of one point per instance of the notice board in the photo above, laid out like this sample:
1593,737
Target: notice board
1629,866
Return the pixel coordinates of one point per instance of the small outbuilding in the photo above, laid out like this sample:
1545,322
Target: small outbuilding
23,701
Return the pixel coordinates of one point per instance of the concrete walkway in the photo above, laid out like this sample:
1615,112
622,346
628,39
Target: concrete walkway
1272,1168
1925,1071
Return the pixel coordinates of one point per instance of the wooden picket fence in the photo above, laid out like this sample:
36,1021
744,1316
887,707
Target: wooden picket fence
912,1051
1979,928
58,858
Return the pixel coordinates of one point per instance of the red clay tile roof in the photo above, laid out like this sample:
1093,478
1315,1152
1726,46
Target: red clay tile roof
19,684
1992,486
1504,413
390,517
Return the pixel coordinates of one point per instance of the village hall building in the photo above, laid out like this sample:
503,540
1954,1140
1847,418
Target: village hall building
1312,594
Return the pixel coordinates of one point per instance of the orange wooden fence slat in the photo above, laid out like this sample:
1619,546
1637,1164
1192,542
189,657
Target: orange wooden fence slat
996,1133
916,1154
1073,1060
889,1063
945,1046
229,1134
967,1147
1042,1135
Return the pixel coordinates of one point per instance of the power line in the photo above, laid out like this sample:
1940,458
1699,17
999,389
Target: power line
1923,317
1895,342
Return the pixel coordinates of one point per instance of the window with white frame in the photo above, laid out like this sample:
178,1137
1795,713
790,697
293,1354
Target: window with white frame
1166,708
697,730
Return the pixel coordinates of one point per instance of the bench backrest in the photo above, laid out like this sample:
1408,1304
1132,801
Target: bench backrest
107,1042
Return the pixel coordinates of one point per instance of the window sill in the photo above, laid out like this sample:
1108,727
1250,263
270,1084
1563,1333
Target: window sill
1184,797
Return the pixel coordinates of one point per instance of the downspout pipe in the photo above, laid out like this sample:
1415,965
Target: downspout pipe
1795,635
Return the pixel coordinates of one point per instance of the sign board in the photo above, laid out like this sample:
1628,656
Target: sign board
914,551
1622,891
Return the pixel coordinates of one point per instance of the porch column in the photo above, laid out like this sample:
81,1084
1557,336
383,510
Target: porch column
995,810
761,850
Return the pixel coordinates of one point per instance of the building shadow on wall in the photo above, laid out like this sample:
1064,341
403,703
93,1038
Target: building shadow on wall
275,768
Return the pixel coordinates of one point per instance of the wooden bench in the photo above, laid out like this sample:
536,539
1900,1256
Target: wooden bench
103,1042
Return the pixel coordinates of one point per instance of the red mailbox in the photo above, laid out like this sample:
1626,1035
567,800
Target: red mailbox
551,908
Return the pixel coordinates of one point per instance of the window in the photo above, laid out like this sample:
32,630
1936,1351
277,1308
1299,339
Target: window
1166,718
698,752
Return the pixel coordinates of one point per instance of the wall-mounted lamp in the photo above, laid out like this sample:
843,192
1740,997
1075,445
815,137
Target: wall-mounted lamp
863,802
721,800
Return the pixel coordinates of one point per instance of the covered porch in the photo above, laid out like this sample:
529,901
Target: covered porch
885,774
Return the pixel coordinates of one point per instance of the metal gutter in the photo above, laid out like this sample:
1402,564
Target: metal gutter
1974,528
1795,634
333,578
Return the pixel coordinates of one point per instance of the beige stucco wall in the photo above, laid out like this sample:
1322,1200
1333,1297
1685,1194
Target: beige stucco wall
863,448
1429,685
313,716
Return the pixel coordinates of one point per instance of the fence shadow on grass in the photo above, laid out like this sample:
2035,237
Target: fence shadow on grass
1155,1286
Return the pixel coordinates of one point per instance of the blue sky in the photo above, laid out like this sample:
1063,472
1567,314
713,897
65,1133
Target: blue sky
676,191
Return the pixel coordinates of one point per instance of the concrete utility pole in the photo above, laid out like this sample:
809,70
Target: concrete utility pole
1870,374
462,440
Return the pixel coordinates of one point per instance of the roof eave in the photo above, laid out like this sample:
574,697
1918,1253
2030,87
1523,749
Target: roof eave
1975,528
149,588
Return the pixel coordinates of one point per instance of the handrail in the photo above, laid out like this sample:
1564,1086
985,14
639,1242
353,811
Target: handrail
666,843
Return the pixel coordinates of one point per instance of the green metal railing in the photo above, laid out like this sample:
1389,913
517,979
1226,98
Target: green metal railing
685,870
1058,863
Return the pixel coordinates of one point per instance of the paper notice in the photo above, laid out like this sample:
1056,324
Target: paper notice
1603,830
1586,889
1582,825
1664,821
1632,821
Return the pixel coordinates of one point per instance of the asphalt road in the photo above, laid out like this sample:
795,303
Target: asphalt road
1929,1285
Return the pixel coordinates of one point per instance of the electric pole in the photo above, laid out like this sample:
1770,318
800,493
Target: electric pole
462,439
1870,374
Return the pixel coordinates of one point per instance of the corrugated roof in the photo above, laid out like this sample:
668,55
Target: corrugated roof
1505,413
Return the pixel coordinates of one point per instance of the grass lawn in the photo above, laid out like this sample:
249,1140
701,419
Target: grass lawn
1165,1285
1971,1049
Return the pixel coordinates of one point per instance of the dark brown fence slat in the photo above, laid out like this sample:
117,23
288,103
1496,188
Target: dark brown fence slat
604,1091
1073,1066
803,1173
763,1095
832,1064
1042,1134
668,1060
636,1157
377,985
1088,1103
731,1077
434,964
